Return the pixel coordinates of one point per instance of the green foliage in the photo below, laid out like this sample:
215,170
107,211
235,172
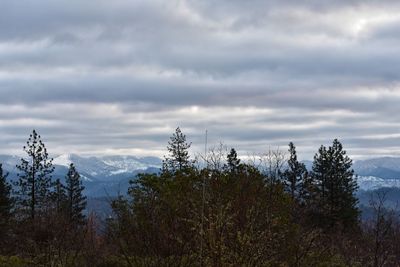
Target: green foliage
59,197
6,201
13,261
228,213
245,218
6,206
295,175
34,176
76,201
233,162
178,148
336,204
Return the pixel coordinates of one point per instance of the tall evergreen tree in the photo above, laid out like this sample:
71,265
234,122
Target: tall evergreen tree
178,148
233,162
6,201
335,187
76,201
34,176
59,196
294,176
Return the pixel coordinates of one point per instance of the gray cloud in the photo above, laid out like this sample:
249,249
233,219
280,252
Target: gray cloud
110,77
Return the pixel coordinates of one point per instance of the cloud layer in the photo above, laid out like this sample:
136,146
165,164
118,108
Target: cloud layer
116,77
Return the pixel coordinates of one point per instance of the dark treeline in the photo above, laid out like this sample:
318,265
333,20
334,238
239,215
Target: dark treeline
223,212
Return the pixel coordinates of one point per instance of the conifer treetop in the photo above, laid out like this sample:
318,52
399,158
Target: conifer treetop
178,148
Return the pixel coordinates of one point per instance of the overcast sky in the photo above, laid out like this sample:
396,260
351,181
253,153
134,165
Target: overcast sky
117,77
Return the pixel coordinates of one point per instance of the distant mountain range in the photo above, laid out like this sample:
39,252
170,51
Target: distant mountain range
110,175
107,168
386,167
378,173
102,176
375,173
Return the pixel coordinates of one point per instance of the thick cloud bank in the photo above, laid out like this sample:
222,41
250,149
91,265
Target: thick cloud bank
116,77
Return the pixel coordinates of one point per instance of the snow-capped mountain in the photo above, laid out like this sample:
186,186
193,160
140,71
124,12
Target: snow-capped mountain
367,183
114,172
385,167
378,173
96,168
375,173
107,167
106,175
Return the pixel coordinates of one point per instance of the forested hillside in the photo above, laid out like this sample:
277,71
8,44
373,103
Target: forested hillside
217,212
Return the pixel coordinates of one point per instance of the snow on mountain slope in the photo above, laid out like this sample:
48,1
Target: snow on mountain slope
371,182
107,167
63,160
130,163
372,173
391,163
386,167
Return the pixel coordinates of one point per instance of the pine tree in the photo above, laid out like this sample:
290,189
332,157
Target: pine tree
35,176
59,197
6,201
294,176
335,187
307,192
178,148
76,201
233,162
